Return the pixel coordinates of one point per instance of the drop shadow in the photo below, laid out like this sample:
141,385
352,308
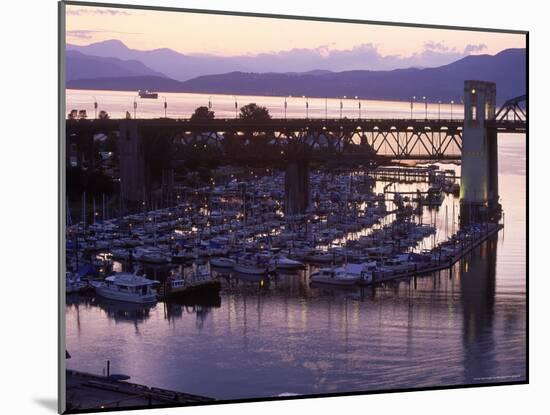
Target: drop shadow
48,403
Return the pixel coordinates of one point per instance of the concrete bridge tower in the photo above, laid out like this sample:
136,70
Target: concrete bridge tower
297,191
146,173
479,167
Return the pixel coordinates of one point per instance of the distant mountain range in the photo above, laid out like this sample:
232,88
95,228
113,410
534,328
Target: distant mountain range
176,65
184,66
507,69
81,66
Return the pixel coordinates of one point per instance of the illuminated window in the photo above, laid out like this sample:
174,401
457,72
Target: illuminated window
489,112
473,113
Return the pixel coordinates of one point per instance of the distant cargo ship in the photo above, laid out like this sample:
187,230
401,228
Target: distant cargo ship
148,94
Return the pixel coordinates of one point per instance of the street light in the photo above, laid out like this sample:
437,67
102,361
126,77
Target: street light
135,107
165,106
326,107
358,105
307,106
341,107
413,98
210,102
452,102
439,110
236,105
285,107
425,106
95,107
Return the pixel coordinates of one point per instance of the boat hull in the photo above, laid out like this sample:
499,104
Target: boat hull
249,269
333,281
198,289
125,297
222,263
289,265
76,287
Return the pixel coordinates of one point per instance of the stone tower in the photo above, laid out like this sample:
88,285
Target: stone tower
479,168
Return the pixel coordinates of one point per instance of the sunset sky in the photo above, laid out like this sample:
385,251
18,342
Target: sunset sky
194,33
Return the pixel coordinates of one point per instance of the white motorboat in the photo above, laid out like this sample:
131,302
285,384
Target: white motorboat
323,257
282,262
222,262
397,264
363,271
250,268
254,265
152,255
334,276
127,287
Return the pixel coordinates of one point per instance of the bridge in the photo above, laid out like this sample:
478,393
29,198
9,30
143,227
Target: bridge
393,139
150,148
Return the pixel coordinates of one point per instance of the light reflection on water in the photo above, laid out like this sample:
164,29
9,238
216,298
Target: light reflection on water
467,326
289,337
182,105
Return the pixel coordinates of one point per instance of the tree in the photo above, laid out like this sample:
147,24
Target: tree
103,115
253,112
202,114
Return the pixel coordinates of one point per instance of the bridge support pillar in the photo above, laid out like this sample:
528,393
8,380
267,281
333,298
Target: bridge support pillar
297,193
132,163
479,167
146,172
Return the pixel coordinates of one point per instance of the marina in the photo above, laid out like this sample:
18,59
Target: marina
378,263
246,232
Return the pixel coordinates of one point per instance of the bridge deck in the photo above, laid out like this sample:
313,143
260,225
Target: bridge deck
280,124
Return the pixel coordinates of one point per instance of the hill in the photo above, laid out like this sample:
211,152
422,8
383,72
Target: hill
82,66
445,83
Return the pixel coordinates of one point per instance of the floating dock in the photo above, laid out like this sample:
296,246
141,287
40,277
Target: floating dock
466,248
87,392
409,174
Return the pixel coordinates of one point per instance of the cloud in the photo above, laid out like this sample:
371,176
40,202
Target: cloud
97,11
81,34
431,45
90,34
475,48
364,56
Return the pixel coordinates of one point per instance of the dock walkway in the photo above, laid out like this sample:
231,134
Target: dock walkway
86,391
441,264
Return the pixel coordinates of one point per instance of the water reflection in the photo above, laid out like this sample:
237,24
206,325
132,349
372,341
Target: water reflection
121,312
288,336
124,312
177,309
264,337
477,284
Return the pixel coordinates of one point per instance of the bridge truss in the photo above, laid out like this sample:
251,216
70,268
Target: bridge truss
414,139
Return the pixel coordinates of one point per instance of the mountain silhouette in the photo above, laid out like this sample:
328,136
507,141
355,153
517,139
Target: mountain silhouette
507,69
81,66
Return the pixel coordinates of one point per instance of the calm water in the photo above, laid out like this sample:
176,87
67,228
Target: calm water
179,105
445,329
